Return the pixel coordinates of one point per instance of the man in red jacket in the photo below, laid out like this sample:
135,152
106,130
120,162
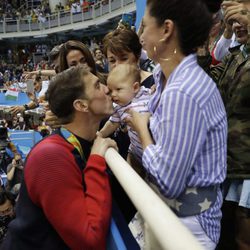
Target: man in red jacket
65,199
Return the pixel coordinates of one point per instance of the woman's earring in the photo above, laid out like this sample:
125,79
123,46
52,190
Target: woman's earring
160,41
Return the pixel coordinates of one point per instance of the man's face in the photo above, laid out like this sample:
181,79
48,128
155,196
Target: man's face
6,209
37,86
241,32
98,54
97,94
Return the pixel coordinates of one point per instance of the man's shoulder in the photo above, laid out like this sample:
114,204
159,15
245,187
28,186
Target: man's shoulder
52,143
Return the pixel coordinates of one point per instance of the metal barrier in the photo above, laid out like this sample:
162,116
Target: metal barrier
164,224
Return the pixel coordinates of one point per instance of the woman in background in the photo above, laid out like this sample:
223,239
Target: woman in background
123,46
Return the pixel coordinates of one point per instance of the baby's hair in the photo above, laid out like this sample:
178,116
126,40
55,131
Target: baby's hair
130,70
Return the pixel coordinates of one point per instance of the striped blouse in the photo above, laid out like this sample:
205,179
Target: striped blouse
189,128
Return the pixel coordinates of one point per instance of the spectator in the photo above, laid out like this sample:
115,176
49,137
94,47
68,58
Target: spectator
122,46
7,149
40,87
74,213
232,76
15,174
100,61
73,53
7,212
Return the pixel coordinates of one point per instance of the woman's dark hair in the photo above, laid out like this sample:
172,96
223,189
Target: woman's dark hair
121,40
193,19
63,90
76,45
54,53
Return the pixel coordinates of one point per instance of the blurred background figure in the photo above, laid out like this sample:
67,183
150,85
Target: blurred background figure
7,212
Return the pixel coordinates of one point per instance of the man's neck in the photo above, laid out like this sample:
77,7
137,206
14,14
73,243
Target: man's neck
84,128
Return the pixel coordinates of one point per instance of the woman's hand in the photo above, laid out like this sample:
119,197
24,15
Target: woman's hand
137,121
101,145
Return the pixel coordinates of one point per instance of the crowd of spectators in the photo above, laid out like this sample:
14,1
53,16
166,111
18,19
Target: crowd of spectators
19,10
41,10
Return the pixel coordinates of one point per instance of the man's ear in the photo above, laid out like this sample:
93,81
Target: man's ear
81,105
136,86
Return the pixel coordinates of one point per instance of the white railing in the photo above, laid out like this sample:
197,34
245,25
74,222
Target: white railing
61,20
164,224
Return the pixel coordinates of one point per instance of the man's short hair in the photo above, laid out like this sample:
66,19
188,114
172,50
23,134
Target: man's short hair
64,89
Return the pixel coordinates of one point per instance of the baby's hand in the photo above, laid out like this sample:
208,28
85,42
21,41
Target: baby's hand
98,133
153,89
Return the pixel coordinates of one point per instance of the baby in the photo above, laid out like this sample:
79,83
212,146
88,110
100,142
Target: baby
126,92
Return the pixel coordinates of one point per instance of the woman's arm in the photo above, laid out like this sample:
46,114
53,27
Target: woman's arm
178,131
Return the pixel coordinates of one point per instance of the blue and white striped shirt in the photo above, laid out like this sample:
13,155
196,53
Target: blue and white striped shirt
189,128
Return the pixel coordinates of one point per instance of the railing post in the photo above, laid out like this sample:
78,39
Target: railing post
109,6
59,18
4,25
18,24
71,17
82,15
49,25
93,11
100,8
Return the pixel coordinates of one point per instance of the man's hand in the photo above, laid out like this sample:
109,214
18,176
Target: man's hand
235,11
101,145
